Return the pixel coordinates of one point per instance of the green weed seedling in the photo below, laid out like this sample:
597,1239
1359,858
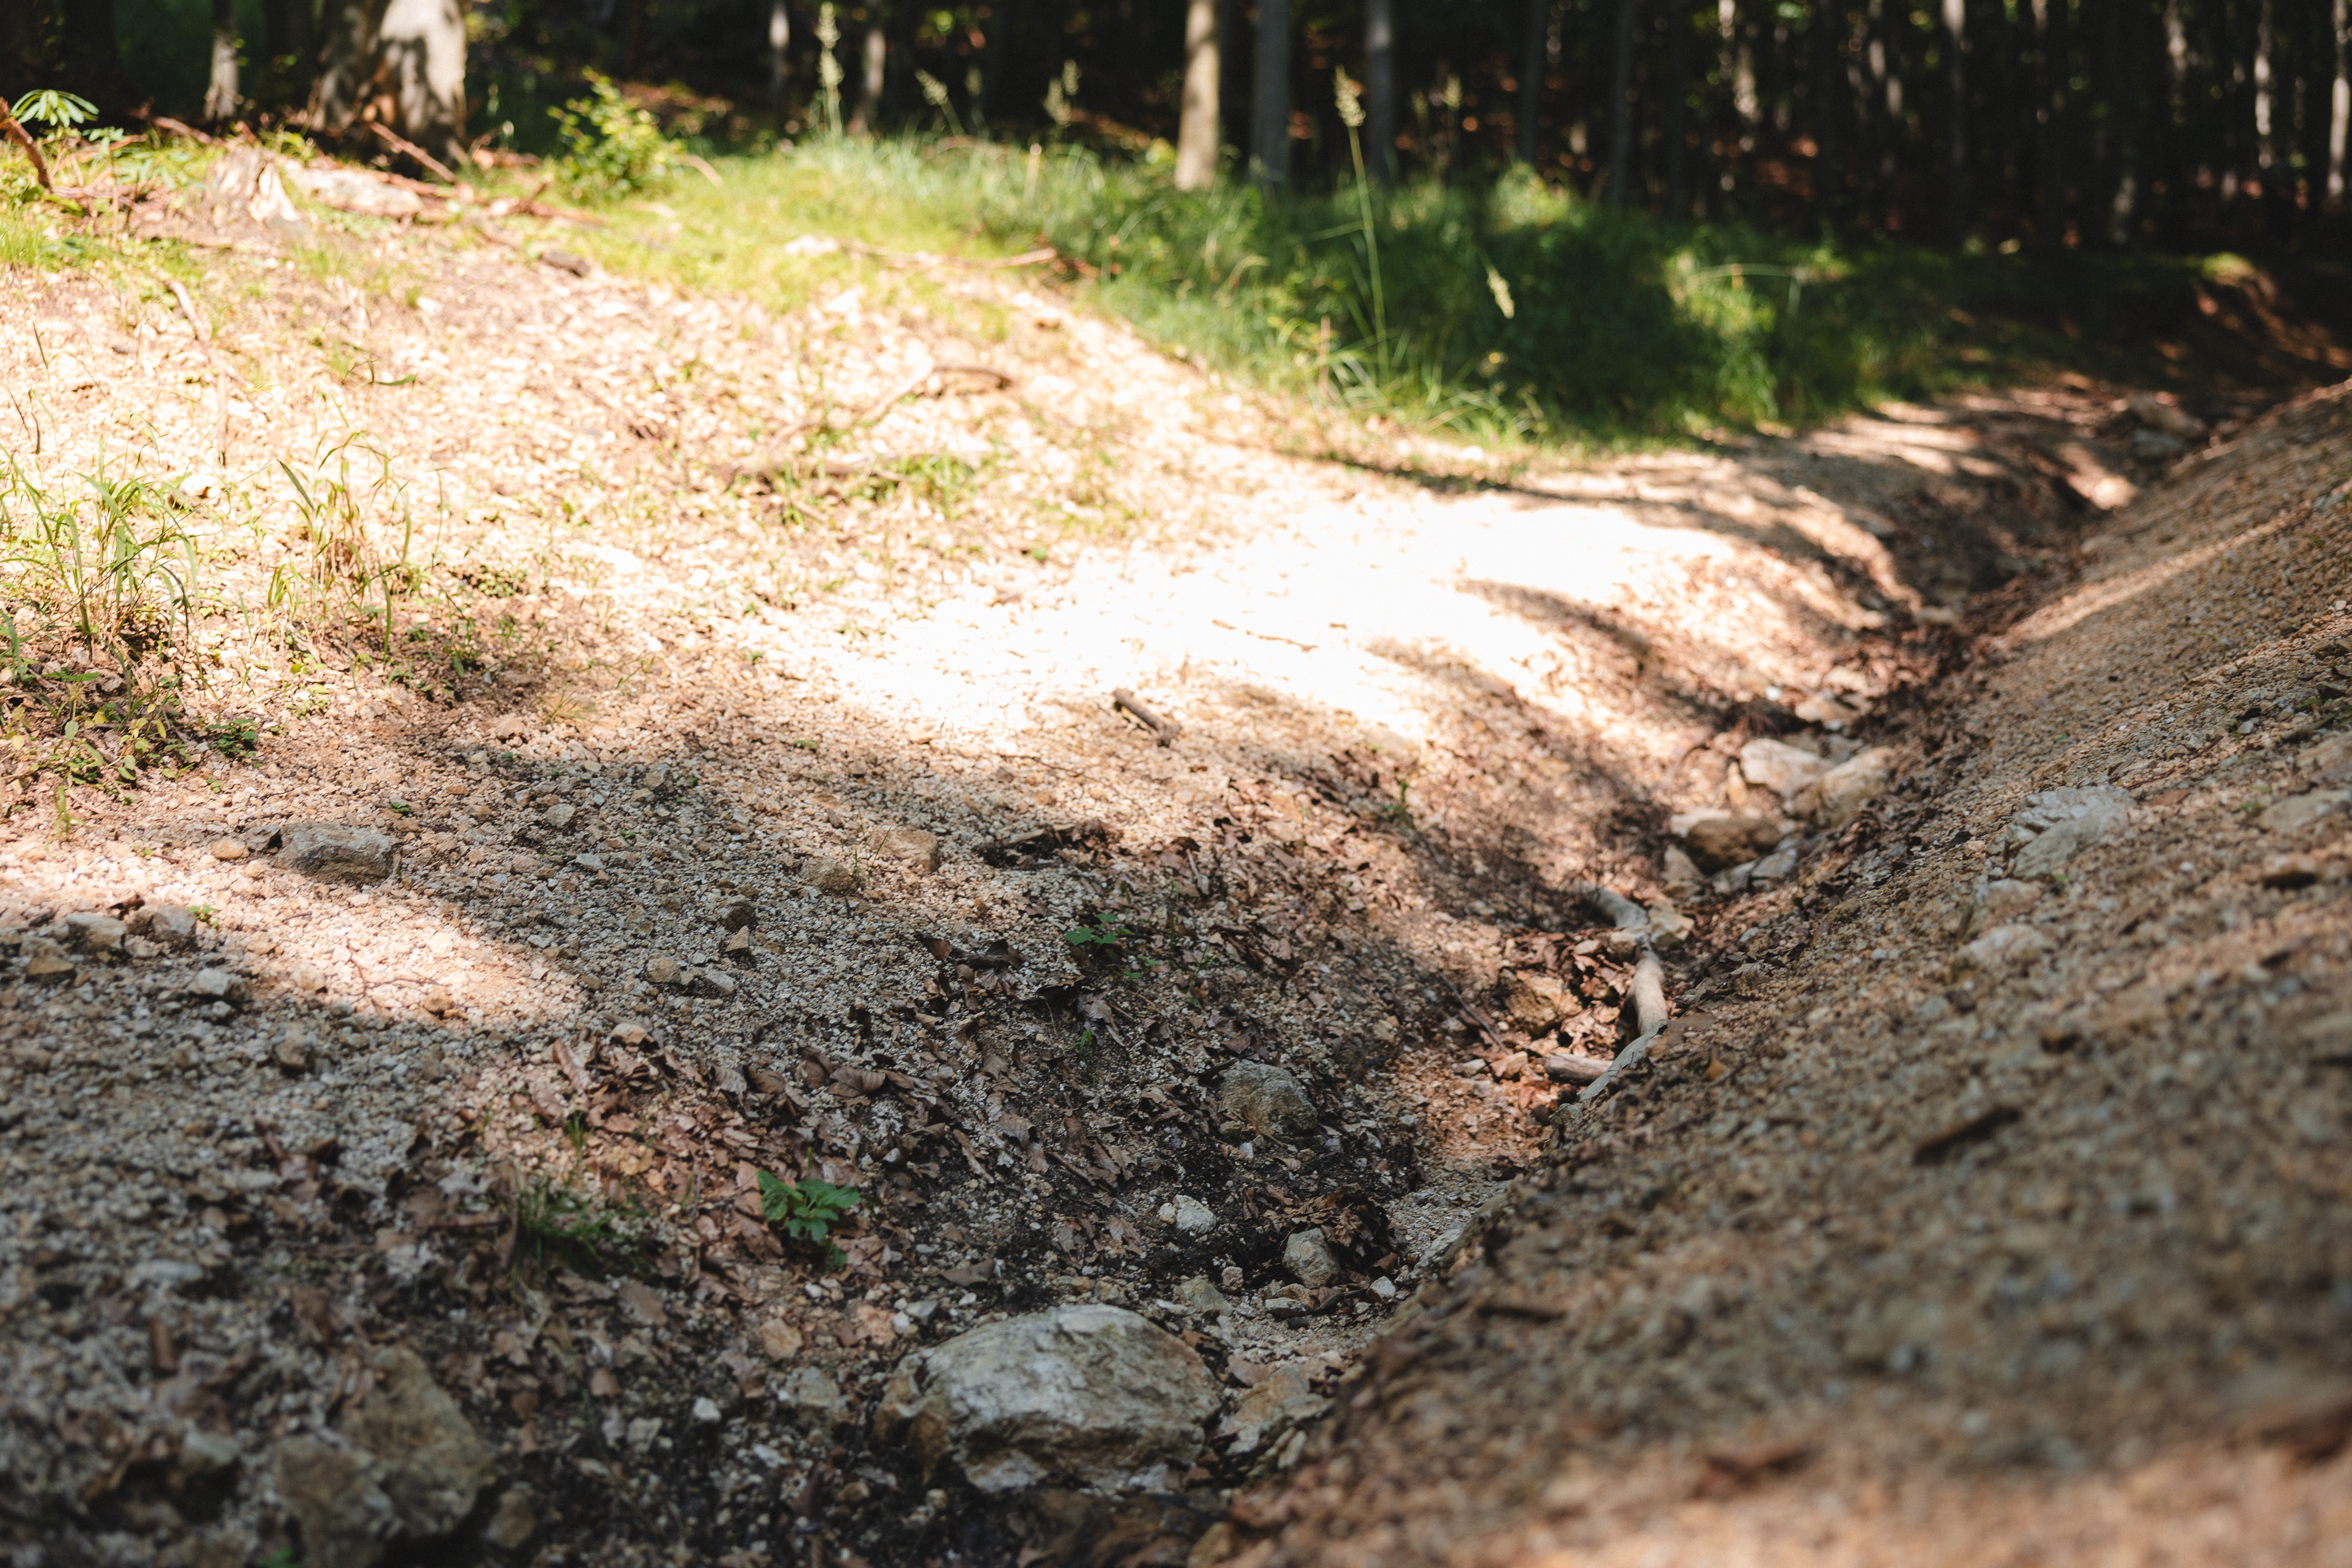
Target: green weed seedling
807,1210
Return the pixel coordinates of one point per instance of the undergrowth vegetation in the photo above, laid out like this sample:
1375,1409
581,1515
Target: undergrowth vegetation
1512,311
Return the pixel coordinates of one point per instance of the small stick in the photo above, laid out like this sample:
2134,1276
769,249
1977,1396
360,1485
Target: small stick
1163,731
16,132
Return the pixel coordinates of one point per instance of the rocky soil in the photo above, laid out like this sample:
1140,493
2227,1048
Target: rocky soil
1217,907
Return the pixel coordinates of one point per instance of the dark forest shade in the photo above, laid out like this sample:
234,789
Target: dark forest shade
2061,123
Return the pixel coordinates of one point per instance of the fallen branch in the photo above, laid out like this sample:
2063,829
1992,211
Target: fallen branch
699,166
180,127
402,144
1648,994
16,134
1163,731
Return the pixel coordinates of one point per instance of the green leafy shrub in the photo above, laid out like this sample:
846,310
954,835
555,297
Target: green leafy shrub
806,1210
616,147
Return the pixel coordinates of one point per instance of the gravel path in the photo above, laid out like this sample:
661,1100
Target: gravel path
684,830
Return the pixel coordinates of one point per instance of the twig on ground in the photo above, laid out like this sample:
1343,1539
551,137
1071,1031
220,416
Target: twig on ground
1163,729
180,127
700,167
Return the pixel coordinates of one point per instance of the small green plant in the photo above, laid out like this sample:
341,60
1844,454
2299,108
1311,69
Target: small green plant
828,68
807,1210
617,149
556,1221
1099,931
205,912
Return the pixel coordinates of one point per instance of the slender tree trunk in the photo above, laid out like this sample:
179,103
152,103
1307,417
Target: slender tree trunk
1531,75
421,53
780,42
1677,110
1829,151
1270,143
991,61
2122,210
2050,101
2339,108
1621,105
2271,169
1956,122
1380,90
346,62
290,33
873,60
220,89
1197,127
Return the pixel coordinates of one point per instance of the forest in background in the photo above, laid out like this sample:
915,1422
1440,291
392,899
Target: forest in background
2082,122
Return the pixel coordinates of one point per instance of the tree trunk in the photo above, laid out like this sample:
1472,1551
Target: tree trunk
346,62
2049,111
1379,91
421,63
633,38
992,62
1621,105
93,63
2268,166
873,60
2123,209
1828,99
899,96
2339,109
780,41
220,86
1677,104
290,33
1270,150
1956,111
1197,128
1531,75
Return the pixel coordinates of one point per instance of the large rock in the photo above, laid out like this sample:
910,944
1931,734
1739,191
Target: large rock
1779,766
1267,1100
1094,1394
1717,842
2057,825
336,851
408,1470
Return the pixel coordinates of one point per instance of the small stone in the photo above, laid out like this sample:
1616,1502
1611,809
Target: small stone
171,926
705,1412
714,983
219,985
1308,1257
1384,1287
1283,1309
1268,1100
2290,871
1668,925
1777,867
46,962
229,849
811,1397
832,877
94,933
1779,767
779,1341
1276,1405
631,1033
1201,1299
1838,796
2296,812
2330,761
909,847
1680,874
737,948
738,915
2003,947
591,863
1576,1070
1092,1393
2057,825
2001,901
439,1002
559,815
336,851
1717,843
1191,1216
1537,1002
292,1053
664,970
513,1524
204,1455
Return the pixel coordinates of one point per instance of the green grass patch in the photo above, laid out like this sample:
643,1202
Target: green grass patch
1514,310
